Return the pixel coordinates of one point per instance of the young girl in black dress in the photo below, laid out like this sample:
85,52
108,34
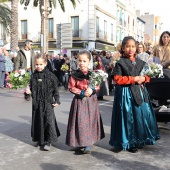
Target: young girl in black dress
45,96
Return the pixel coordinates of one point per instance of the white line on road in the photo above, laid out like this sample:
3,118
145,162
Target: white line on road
105,103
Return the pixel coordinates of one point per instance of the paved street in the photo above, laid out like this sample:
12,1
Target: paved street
17,151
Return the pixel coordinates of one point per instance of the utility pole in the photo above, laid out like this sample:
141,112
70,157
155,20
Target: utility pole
44,36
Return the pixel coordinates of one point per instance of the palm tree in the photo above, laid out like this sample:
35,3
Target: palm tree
48,4
14,24
5,16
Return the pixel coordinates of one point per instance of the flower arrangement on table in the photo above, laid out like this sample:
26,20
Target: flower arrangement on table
19,79
153,70
64,67
97,77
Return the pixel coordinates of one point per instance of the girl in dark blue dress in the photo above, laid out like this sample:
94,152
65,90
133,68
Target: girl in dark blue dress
133,119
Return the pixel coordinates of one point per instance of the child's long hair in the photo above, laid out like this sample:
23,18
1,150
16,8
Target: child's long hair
125,40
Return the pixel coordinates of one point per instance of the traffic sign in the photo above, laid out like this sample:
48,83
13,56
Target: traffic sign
64,35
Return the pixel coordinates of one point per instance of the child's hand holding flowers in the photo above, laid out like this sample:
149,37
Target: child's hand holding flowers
139,79
88,92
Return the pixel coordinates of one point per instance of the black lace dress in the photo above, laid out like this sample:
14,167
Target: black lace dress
44,88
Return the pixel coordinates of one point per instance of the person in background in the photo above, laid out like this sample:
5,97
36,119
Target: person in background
116,56
14,55
133,119
98,65
50,64
2,68
8,65
26,57
65,71
162,50
85,125
141,52
25,60
106,63
65,56
45,96
73,63
56,62
150,49
102,54
61,62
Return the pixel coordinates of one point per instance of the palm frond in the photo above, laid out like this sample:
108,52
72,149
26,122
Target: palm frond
61,2
27,2
74,3
22,1
5,16
54,3
1,1
35,3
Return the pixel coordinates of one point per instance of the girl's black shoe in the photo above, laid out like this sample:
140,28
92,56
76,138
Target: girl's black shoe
132,150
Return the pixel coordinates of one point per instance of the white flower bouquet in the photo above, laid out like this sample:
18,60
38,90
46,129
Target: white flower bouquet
153,70
19,79
97,77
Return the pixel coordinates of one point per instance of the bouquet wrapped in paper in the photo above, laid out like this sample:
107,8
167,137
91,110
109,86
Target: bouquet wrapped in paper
153,70
97,77
19,79
64,67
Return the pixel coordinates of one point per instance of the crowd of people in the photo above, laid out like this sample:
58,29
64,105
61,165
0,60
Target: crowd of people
133,123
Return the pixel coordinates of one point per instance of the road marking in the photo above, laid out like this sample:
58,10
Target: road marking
105,103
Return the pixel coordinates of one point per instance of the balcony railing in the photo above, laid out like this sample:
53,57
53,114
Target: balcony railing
111,37
50,35
77,33
102,35
120,21
97,34
124,23
105,37
24,36
3,36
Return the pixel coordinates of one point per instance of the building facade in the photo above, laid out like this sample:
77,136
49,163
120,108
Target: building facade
153,28
95,24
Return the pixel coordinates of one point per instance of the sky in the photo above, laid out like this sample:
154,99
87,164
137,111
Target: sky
156,7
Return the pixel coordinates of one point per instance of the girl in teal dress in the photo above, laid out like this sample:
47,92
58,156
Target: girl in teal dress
133,119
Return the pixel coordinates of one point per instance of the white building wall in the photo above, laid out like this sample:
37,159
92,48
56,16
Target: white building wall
87,10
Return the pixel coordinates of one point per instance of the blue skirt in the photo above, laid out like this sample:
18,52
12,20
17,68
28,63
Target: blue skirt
132,125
